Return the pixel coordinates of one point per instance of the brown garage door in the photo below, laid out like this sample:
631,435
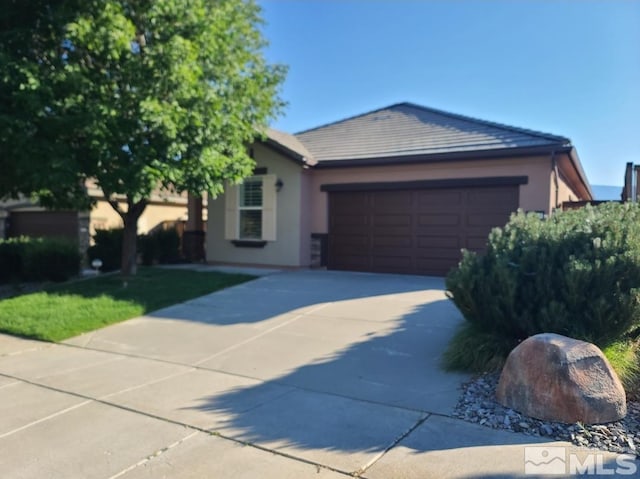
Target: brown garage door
415,231
61,224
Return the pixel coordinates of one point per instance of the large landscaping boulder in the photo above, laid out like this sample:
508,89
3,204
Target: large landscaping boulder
555,378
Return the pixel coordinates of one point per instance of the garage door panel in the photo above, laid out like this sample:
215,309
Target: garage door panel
477,243
350,240
391,252
391,231
439,220
342,249
439,242
391,202
350,250
347,232
480,230
347,203
351,263
434,266
400,241
392,220
435,200
392,264
348,220
414,231
487,219
349,229
439,253
438,231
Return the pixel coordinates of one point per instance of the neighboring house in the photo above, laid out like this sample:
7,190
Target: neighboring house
401,189
25,218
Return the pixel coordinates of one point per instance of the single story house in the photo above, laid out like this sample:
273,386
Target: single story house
401,189
23,217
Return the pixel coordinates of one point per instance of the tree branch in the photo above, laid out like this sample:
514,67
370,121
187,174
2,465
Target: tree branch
135,209
114,204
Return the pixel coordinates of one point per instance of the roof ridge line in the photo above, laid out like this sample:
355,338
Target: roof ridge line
504,126
348,118
493,124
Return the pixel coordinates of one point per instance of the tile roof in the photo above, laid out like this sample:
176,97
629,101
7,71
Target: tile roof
406,129
291,145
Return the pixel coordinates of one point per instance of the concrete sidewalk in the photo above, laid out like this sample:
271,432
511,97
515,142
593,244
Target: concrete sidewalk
299,374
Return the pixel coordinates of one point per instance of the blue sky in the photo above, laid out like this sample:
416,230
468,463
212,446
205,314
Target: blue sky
571,68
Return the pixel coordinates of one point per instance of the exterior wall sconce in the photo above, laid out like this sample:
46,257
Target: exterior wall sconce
279,185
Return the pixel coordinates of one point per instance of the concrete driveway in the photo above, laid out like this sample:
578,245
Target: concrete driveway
303,374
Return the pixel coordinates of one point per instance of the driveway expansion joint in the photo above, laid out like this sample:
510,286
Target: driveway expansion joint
195,429
393,444
198,367
154,455
360,380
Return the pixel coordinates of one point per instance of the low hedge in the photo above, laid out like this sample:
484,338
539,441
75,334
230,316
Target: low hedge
107,248
38,259
161,246
576,273
12,255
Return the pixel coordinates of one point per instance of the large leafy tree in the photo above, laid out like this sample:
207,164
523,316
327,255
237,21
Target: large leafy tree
134,94
38,146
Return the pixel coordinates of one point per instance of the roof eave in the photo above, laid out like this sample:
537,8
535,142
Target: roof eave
288,152
575,160
442,157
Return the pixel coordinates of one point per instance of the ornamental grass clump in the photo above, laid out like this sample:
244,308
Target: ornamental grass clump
576,273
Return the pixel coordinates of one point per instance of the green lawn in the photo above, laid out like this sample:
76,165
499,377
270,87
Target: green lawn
63,311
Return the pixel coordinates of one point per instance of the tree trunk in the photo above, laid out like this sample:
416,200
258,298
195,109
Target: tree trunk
128,265
194,213
129,261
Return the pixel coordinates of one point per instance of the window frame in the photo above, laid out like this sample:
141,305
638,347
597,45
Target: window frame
269,211
240,208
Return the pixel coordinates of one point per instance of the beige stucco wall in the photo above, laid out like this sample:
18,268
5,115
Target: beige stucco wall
103,216
291,247
305,217
533,196
565,193
302,208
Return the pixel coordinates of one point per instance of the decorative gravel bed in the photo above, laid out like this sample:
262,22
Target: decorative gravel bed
478,405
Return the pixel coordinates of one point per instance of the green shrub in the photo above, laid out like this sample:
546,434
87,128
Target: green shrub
168,245
42,259
107,248
148,249
576,273
51,260
11,259
160,246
